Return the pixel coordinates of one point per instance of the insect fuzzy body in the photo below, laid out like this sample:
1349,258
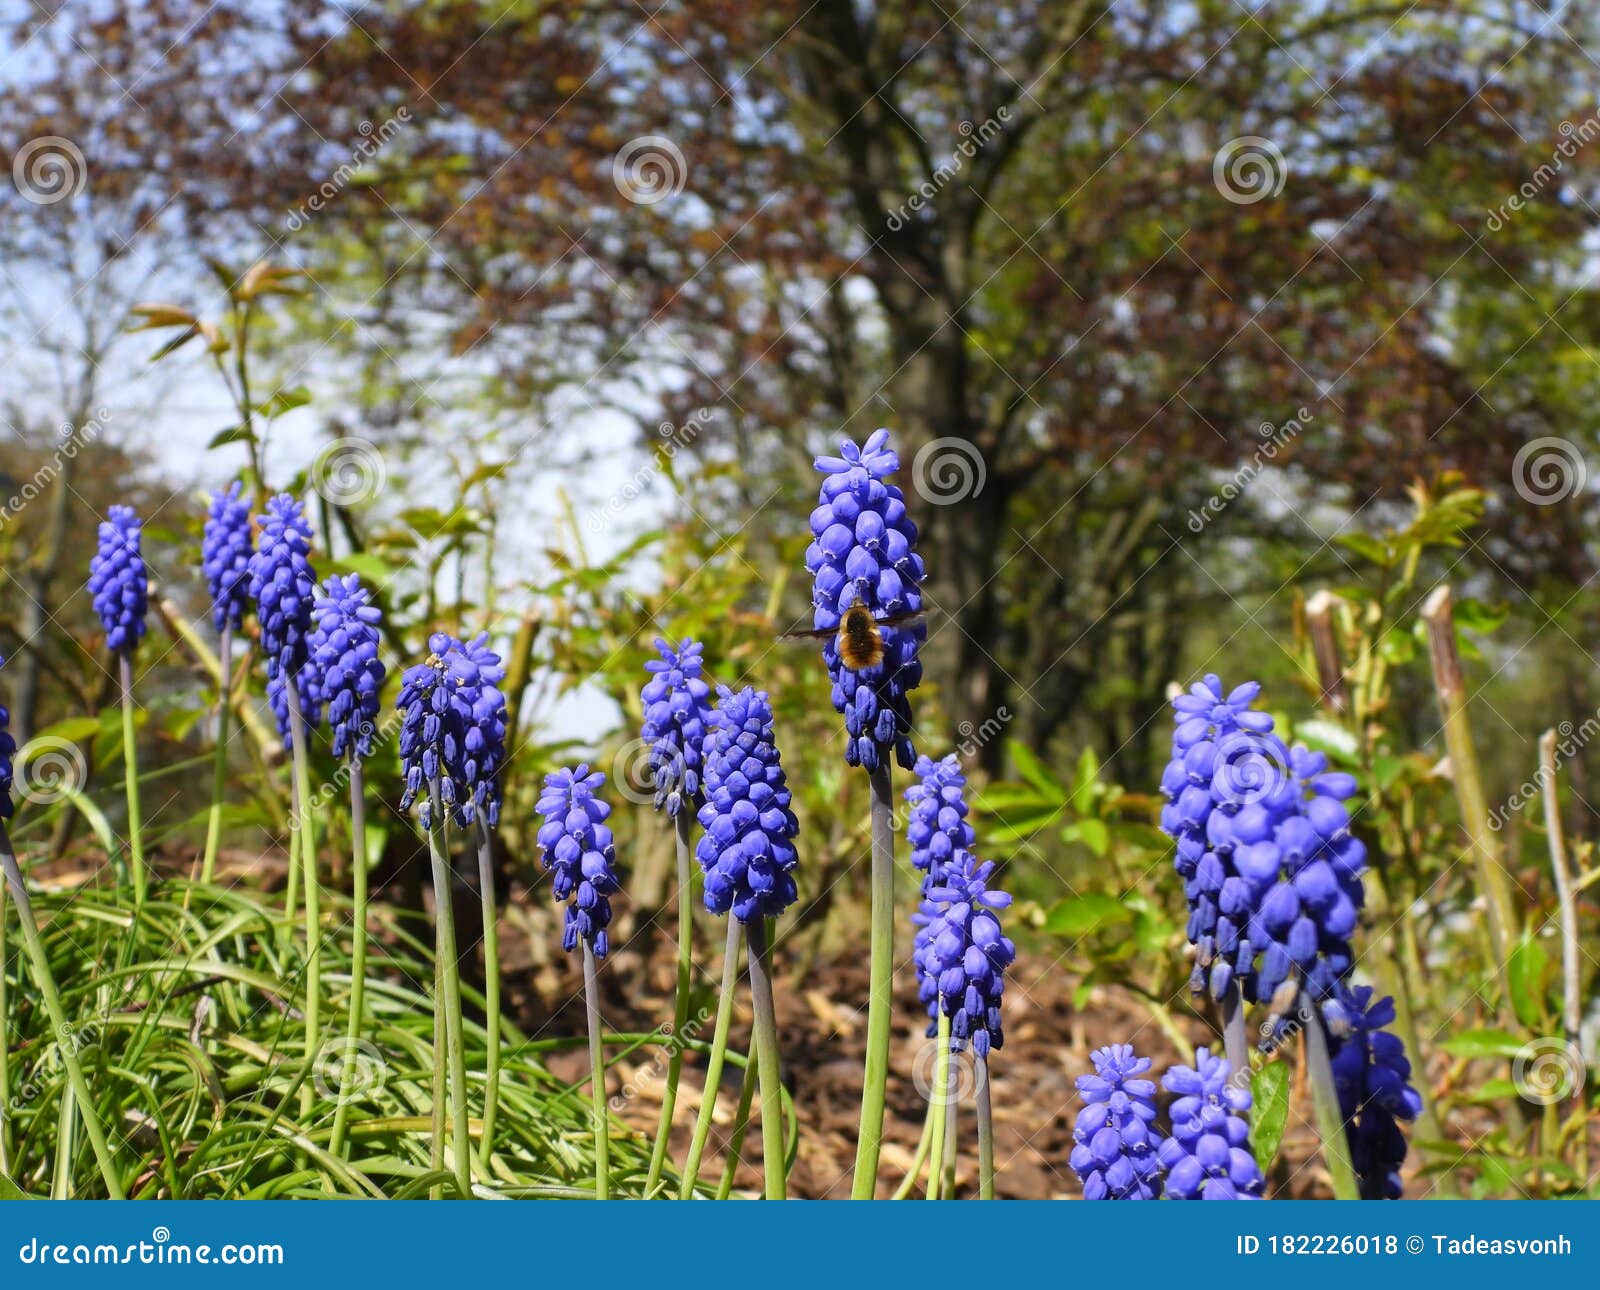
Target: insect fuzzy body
859,636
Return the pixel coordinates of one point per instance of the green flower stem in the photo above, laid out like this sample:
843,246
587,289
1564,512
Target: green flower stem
219,767
597,1078
449,1000
291,890
938,1101
952,1109
1325,1100
1234,1040
440,1086
303,826
880,996
919,1159
130,767
714,1064
358,951
680,1010
58,1017
985,1129
768,1061
741,1126
491,987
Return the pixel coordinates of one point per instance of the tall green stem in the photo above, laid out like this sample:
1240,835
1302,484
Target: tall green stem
444,918
741,1126
441,1085
358,952
5,1037
1325,1100
597,1077
58,1018
219,762
130,767
714,1065
980,1067
938,1100
920,1158
291,889
491,986
304,826
680,1010
767,1059
880,998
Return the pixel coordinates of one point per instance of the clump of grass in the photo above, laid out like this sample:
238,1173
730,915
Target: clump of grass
188,1018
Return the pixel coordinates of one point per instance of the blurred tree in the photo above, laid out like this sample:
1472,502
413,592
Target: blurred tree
1088,248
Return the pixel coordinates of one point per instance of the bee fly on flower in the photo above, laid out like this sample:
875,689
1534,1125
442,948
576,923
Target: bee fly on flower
860,635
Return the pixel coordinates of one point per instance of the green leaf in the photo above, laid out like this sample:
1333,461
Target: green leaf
1034,771
1083,788
1483,1043
1367,546
233,434
73,729
1269,1089
372,568
1526,974
285,401
10,1191
1475,616
1091,832
1326,736
1077,915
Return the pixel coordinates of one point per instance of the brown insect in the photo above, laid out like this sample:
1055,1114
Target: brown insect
860,635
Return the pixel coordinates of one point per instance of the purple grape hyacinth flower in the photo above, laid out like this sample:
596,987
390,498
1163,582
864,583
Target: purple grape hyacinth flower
677,718
1117,1155
962,954
936,827
344,657
118,580
476,672
746,848
225,551
1271,871
1208,1155
576,847
283,586
863,551
1373,1077
433,737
